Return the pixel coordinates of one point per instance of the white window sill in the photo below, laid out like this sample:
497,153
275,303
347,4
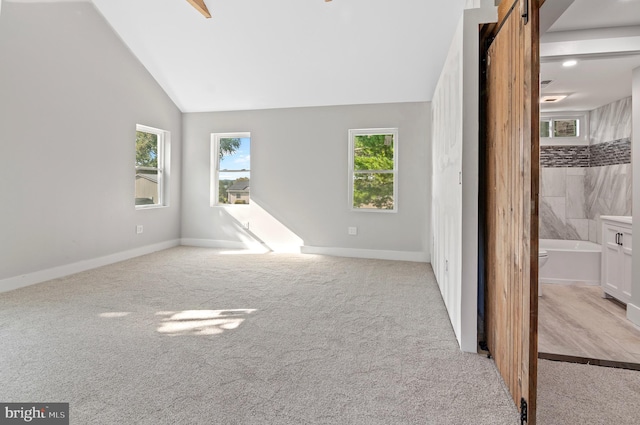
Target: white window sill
150,207
230,206
372,210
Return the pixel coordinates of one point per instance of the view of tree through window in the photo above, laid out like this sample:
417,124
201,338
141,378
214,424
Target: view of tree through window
146,149
565,128
148,187
545,128
559,128
373,171
233,170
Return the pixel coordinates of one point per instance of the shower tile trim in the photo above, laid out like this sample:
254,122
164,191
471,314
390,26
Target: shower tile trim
607,153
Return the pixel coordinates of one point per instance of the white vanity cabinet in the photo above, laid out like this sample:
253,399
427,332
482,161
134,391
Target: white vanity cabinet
616,257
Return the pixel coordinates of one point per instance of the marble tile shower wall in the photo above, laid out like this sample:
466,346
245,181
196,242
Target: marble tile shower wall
581,183
610,122
572,199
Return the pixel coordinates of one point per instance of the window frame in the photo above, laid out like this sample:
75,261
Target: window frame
352,172
163,138
582,119
215,167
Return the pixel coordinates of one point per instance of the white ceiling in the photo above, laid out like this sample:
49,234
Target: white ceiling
592,83
587,14
604,75
256,54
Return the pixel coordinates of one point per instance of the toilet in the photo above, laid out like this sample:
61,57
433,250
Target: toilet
543,256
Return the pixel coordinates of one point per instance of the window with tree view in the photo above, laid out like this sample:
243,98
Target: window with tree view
231,169
373,169
149,166
554,128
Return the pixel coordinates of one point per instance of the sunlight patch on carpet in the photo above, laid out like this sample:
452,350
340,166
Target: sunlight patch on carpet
201,322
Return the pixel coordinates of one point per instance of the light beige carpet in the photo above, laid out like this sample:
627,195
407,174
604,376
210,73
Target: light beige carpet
195,336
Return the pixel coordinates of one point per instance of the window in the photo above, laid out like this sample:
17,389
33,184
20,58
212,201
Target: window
373,165
568,128
545,128
230,168
565,128
150,166
559,128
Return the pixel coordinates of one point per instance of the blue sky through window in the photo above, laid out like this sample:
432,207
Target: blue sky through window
240,160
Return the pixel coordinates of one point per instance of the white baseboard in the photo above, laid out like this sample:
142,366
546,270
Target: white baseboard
215,243
252,246
40,276
569,281
420,257
633,314
377,254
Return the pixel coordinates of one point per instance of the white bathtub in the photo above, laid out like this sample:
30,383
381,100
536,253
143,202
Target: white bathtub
571,262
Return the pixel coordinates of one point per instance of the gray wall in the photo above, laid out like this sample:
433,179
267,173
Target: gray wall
299,176
71,95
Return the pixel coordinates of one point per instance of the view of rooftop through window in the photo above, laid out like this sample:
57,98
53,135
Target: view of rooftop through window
234,170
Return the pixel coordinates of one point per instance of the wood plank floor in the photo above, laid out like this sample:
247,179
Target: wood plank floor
574,320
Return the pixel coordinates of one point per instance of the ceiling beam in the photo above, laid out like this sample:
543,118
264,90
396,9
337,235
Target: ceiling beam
200,7
593,43
551,11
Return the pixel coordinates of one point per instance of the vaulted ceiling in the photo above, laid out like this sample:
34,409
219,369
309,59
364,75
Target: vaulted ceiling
255,54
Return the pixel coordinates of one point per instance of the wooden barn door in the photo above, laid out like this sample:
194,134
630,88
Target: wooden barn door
510,189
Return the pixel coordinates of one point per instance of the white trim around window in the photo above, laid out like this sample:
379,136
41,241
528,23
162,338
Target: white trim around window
376,204
215,166
582,119
161,174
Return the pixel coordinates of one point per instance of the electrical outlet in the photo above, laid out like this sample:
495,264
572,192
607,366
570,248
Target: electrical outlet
353,231
139,228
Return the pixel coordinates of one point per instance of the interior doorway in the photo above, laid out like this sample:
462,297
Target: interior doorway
586,65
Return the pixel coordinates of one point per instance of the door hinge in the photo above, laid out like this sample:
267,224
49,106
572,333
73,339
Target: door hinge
525,11
523,411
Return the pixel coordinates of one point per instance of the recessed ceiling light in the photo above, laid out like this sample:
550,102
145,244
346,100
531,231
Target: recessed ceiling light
569,63
552,98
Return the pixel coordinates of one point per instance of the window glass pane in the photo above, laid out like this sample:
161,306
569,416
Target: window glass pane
565,128
373,190
146,149
148,168
544,128
234,174
146,187
373,152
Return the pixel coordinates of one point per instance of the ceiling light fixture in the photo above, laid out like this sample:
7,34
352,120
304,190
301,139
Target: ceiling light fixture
569,63
552,98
